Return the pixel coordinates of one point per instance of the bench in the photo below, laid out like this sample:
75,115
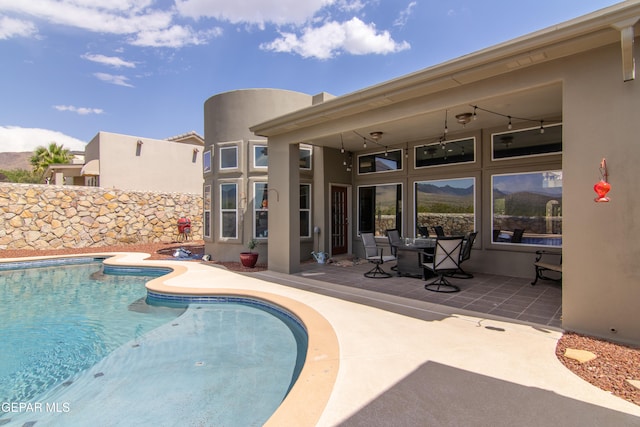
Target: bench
547,261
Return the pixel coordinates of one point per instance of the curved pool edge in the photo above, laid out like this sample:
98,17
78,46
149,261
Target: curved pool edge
307,399
309,395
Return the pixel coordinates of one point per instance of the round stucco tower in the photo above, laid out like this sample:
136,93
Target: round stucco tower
228,115
232,166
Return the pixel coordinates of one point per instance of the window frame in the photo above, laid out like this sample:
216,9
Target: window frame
399,206
224,210
492,143
225,148
254,157
474,196
309,148
206,211
307,209
259,209
438,146
554,169
206,161
374,155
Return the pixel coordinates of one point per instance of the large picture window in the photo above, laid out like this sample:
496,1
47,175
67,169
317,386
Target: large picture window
449,203
527,208
379,208
446,153
384,161
229,210
527,142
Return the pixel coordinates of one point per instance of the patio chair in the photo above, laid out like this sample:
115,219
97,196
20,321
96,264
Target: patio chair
394,240
465,254
517,235
446,260
374,255
439,230
423,231
548,261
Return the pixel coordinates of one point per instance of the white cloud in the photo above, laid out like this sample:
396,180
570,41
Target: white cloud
175,36
83,111
10,27
112,61
121,17
257,12
401,20
113,79
354,37
18,139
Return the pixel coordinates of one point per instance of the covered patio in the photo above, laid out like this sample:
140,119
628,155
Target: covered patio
385,146
507,297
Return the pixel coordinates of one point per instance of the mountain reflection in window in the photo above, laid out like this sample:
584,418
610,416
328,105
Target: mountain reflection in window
380,162
529,201
529,142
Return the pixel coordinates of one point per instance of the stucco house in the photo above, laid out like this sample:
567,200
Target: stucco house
512,136
129,162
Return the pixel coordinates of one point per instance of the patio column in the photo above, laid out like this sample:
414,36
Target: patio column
284,207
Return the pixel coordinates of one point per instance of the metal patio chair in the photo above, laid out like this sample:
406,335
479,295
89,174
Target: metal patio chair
374,255
446,260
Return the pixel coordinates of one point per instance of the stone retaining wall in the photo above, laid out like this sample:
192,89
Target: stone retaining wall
54,217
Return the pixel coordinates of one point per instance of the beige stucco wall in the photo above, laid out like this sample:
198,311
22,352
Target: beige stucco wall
156,165
53,217
602,281
227,118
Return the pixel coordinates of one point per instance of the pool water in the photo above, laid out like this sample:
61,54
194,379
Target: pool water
84,348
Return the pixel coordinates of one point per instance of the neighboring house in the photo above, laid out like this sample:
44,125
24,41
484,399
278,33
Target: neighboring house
509,137
66,174
143,164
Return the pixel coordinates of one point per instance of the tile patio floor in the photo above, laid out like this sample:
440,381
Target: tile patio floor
508,297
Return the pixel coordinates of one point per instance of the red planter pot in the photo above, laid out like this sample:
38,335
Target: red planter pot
249,259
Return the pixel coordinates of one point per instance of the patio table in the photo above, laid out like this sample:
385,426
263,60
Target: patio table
409,256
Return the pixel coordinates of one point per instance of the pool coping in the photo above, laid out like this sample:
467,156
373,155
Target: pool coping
307,399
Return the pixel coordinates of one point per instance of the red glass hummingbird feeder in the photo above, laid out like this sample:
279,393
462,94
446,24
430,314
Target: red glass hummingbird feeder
602,187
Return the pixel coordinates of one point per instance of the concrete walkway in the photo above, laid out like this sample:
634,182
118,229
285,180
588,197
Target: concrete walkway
440,366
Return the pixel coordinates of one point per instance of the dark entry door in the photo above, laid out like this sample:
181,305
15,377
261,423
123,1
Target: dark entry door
339,221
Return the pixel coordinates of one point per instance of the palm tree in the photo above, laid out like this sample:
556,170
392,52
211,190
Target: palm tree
45,156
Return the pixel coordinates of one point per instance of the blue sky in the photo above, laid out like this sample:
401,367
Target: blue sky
72,68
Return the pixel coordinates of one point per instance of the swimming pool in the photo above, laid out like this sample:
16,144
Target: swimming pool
221,363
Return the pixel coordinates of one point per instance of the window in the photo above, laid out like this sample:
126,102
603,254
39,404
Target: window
385,161
260,156
446,153
229,211
260,210
379,208
228,157
528,201
449,203
305,210
305,157
206,218
528,142
206,162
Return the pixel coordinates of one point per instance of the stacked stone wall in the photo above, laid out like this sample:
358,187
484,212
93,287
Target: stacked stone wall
54,217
